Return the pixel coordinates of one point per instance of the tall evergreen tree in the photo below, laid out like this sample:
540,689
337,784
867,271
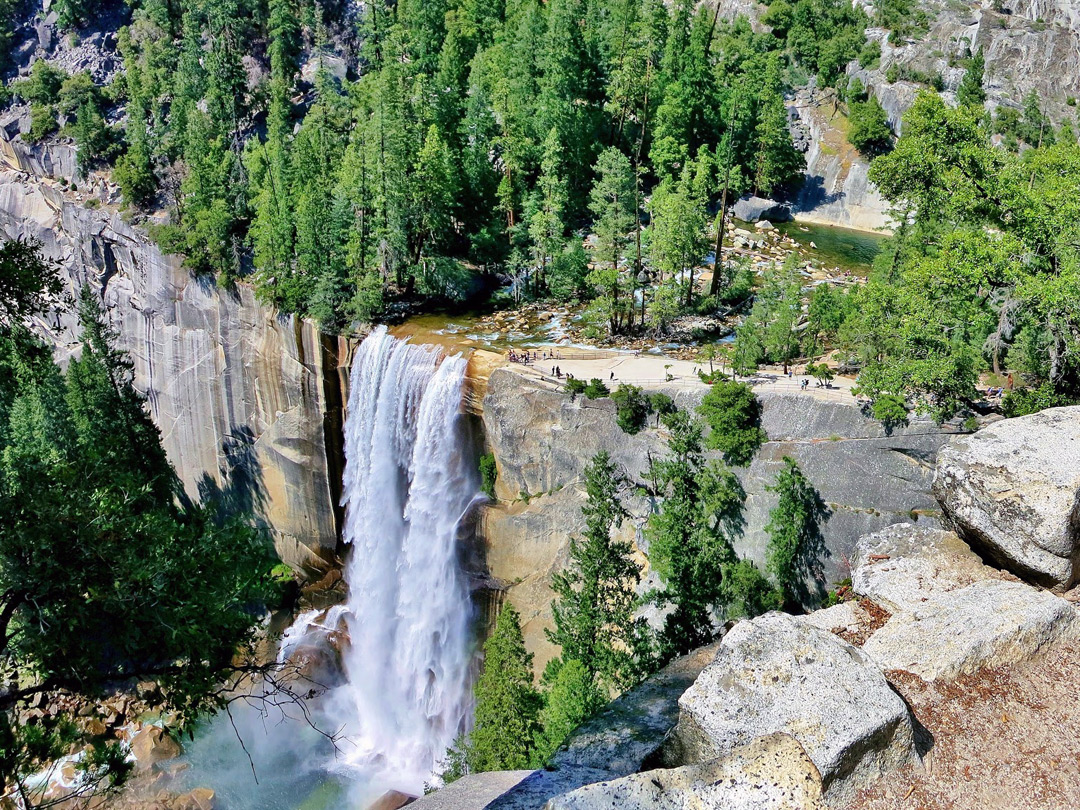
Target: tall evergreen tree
794,529
595,596
613,203
777,162
547,225
678,231
690,537
507,703
971,92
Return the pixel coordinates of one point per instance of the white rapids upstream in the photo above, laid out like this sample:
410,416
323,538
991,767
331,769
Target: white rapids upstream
409,482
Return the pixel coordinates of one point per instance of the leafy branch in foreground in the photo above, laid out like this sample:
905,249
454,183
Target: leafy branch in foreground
108,573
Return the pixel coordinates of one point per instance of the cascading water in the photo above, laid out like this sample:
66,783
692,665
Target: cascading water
409,482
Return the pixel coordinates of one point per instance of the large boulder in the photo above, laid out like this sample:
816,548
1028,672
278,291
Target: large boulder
777,674
904,566
988,623
755,209
771,773
626,735
951,614
1011,490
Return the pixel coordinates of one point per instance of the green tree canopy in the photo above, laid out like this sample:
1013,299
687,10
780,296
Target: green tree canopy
690,536
506,722
794,529
107,574
733,415
595,596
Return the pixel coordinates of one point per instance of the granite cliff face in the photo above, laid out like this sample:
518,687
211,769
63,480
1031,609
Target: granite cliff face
542,442
1031,45
248,402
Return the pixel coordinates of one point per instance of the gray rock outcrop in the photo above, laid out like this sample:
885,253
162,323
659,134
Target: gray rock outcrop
1011,490
837,188
775,674
951,614
627,735
755,209
988,623
248,401
905,566
472,792
542,442
771,773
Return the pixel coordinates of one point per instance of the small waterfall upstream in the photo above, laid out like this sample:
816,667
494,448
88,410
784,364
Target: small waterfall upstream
409,482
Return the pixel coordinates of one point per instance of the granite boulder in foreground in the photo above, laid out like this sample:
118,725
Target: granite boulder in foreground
775,674
1011,490
952,615
771,773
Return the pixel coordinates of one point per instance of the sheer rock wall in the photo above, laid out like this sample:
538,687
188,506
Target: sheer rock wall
248,401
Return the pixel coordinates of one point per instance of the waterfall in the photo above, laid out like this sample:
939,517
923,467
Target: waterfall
409,482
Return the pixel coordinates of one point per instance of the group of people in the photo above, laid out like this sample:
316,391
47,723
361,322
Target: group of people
527,357
1000,390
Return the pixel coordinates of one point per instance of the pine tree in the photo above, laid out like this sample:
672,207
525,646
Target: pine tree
794,528
690,537
546,227
507,703
106,576
563,103
971,92
613,203
678,231
434,191
106,410
686,119
571,700
595,596
778,163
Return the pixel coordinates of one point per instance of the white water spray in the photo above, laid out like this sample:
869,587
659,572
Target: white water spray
409,482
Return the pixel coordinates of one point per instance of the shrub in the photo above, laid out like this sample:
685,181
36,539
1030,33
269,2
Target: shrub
1032,400
632,408
749,592
574,386
734,417
870,55
596,389
661,404
489,474
43,84
869,131
891,411
42,122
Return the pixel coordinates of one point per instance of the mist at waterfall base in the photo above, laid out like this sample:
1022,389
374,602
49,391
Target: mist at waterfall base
410,481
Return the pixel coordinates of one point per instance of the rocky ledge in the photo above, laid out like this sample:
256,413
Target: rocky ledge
940,665
542,441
